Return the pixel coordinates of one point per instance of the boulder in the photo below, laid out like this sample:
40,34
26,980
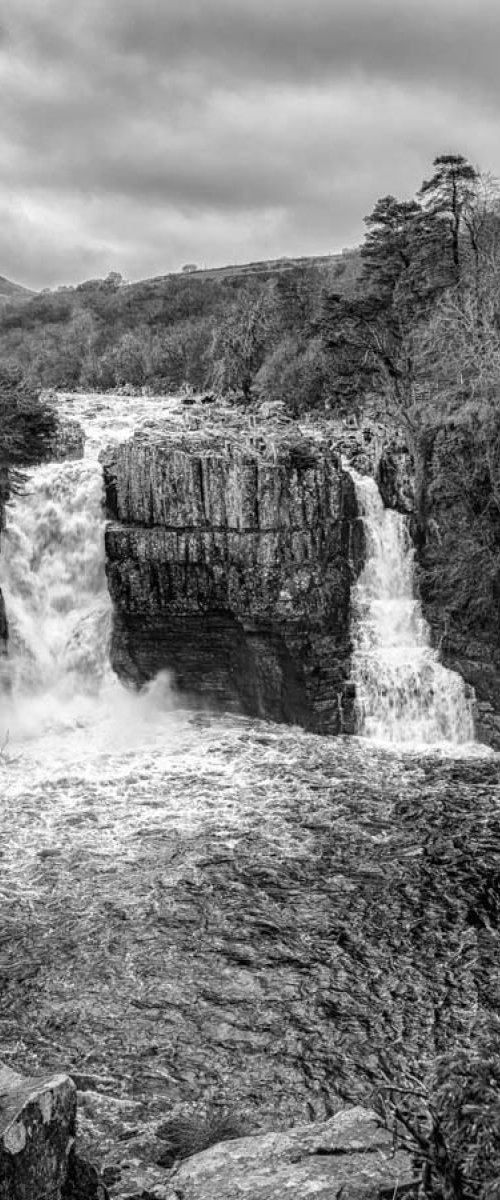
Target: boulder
37,1141
37,1132
348,1157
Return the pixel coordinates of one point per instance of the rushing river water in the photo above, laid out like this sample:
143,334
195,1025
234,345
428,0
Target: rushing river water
204,910
403,693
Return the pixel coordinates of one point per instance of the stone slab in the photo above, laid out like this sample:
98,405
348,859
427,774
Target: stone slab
344,1158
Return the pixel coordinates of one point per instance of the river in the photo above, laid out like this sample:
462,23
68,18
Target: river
209,912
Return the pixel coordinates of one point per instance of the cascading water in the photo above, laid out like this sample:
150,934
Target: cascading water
403,693
55,590
56,674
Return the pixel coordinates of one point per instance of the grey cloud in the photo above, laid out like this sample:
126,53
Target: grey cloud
230,127
290,40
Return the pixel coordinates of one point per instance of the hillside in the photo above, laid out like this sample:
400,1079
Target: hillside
10,291
233,330
267,267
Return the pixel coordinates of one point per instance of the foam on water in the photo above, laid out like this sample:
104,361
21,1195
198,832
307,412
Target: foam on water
404,696
56,677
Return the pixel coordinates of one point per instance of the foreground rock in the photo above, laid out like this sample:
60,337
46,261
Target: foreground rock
230,553
37,1128
37,1136
348,1157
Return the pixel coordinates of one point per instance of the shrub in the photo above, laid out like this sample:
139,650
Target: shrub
188,1135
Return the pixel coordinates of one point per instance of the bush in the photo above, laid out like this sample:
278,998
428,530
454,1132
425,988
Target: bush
188,1135
450,1123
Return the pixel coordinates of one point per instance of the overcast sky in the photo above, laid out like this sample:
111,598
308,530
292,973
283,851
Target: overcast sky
138,135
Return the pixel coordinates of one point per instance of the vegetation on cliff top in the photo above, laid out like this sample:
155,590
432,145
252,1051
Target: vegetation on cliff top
418,339
226,331
27,425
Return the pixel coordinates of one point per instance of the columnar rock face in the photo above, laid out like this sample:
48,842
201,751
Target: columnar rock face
460,576
229,561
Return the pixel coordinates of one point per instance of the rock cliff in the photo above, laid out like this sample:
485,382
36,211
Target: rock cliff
460,561
4,495
230,553
454,482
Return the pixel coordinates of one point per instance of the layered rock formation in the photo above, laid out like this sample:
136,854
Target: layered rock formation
229,559
459,563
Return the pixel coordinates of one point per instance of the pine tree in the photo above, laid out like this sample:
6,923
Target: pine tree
446,197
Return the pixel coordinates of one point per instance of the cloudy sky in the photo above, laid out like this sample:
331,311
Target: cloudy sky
137,135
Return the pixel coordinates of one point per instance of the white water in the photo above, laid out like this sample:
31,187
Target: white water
403,693
85,761
59,700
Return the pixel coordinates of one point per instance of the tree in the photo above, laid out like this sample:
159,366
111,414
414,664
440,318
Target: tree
27,425
447,196
295,375
388,252
412,255
129,359
240,343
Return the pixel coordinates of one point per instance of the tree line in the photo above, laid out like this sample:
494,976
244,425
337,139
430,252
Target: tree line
414,313
237,336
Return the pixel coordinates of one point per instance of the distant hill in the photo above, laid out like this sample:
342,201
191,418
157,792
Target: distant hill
267,267
10,291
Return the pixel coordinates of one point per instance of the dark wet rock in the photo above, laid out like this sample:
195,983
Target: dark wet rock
38,1124
458,582
37,1130
83,1181
4,496
395,475
348,1156
4,628
68,441
378,448
229,559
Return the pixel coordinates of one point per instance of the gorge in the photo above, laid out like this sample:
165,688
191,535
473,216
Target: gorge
211,912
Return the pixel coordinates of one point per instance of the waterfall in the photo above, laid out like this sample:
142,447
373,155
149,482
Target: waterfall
403,693
55,592
53,581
